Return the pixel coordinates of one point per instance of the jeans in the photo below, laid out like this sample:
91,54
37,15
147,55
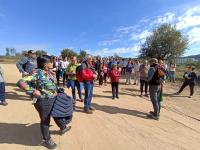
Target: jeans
88,86
172,76
2,92
128,77
154,91
115,89
142,84
105,77
44,107
75,84
191,85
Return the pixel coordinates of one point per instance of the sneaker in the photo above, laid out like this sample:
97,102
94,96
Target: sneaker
190,96
113,98
153,117
92,108
4,103
50,144
152,113
88,111
146,95
117,97
141,95
65,130
177,93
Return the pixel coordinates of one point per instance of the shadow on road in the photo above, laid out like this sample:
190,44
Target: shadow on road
23,134
16,96
117,110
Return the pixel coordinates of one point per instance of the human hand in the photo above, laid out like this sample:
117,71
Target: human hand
25,74
37,93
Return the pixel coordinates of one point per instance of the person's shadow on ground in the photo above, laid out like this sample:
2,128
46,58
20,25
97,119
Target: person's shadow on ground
16,96
116,110
23,134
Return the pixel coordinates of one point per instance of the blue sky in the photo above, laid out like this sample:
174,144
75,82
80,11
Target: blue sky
102,27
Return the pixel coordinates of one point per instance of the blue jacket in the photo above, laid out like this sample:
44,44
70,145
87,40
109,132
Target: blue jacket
63,106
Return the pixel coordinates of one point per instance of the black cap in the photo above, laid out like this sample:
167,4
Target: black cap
31,52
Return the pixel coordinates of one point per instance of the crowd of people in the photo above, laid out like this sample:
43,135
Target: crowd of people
41,78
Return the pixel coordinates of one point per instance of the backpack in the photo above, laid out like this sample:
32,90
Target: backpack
161,72
84,74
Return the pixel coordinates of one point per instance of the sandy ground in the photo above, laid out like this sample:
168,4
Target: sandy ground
115,125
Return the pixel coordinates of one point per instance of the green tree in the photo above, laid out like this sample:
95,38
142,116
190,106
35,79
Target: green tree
69,53
40,52
166,42
82,54
7,52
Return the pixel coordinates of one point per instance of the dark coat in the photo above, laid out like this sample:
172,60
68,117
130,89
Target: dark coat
63,106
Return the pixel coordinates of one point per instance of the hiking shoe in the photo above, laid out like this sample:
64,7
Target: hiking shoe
50,144
177,93
62,132
152,113
4,103
88,111
92,108
152,116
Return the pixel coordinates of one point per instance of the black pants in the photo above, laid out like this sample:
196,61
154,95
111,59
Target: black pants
58,77
100,79
105,77
123,71
62,121
115,89
191,85
142,84
44,107
64,78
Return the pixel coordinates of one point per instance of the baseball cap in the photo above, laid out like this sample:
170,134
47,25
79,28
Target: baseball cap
31,52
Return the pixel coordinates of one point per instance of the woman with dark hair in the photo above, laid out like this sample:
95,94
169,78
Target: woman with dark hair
190,78
41,86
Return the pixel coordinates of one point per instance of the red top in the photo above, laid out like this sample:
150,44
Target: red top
114,75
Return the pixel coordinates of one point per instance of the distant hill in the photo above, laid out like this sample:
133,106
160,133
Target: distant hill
193,56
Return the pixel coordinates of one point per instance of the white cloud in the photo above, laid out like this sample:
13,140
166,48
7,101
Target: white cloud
108,42
168,17
140,36
127,29
121,50
194,35
190,18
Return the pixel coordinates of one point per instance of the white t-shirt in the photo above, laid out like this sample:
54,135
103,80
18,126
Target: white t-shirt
137,67
64,64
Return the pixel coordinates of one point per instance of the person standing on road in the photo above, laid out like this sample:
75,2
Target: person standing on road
2,88
144,68
64,65
155,76
136,72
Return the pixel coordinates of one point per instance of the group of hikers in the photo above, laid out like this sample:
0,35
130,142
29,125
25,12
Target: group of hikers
41,80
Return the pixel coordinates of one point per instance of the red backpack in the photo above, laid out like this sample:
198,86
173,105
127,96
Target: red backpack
84,74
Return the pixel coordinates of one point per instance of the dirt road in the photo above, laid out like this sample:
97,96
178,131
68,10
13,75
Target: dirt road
115,125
